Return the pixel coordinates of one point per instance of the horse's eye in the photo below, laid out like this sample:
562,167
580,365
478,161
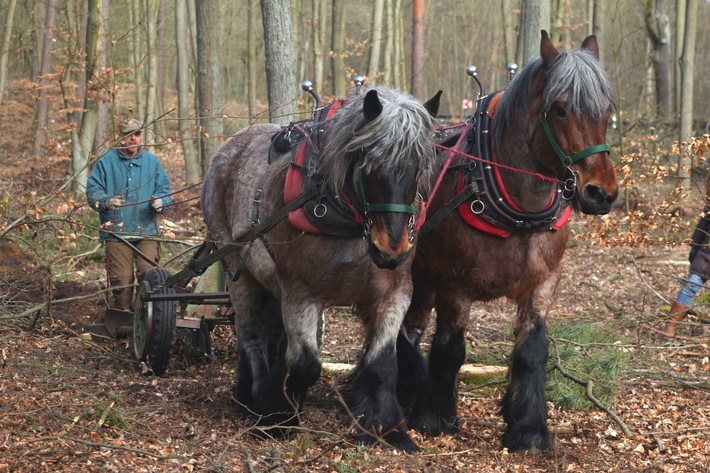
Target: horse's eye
561,111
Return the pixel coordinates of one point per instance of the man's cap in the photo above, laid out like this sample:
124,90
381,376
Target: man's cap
129,125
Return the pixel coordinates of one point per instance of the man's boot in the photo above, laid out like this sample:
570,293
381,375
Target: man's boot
678,312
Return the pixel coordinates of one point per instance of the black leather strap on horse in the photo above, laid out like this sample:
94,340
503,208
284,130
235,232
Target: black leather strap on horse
252,234
450,206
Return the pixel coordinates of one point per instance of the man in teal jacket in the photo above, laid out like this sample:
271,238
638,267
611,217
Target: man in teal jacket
129,187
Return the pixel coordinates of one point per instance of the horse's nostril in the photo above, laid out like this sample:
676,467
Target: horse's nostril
595,194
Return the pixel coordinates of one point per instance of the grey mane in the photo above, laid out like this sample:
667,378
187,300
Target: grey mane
402,134
575,75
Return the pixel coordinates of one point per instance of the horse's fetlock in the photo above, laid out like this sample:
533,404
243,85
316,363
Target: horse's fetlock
304,373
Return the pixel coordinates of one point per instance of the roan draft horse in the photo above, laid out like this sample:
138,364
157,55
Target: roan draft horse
369,161
496,227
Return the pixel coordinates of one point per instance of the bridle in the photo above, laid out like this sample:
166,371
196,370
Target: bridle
569,176
383,207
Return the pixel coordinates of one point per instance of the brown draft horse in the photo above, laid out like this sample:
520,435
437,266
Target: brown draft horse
373,157
547,151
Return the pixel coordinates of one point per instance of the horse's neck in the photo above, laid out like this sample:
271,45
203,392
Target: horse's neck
524,184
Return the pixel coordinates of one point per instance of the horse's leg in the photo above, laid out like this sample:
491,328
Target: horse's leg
259,389
435,409
411,367
371,390
523,406
302,364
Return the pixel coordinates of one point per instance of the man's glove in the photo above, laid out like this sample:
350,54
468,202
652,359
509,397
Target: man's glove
157,204
113,203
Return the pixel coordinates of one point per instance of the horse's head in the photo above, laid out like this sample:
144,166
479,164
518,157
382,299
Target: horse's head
577,102
567,97
378,152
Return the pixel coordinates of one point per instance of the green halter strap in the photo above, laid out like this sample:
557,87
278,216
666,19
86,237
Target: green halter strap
567,160
402,208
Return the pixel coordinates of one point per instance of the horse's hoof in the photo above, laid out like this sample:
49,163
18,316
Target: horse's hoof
278,419
533,439
434,425
397,440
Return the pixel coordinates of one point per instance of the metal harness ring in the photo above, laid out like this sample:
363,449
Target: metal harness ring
320,210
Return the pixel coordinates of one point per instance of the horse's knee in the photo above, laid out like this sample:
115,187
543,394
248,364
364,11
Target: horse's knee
531,350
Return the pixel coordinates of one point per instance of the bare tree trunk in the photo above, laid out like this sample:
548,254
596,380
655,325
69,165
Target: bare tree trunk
42,115
519,38
400,72
336,46
559,33
137,56
151,104
303,40
536,17
280,77
647,98
418,28
73,78
373,65
39,20
680,8
160,32
103,129
81,149
597,23
658,29
389,43
5,45
319,15
209,90
252,61
508,31
182,43
687,68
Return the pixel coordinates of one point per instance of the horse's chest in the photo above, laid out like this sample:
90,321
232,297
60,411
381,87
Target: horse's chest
490,267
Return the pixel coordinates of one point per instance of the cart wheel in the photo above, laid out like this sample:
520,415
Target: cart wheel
154,323
200,350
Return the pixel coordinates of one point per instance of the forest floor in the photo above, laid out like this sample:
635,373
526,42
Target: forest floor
71,403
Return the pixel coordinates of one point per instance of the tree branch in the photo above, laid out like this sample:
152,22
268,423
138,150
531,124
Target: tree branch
588,391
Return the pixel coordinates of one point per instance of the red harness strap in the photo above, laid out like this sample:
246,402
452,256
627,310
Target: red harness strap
292,189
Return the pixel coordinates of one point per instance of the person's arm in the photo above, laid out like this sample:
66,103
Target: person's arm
162,189
96,194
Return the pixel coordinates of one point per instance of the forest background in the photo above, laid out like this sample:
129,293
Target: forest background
197,71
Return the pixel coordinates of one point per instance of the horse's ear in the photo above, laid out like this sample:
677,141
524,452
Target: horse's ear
548,51
373,106
432,105
591,45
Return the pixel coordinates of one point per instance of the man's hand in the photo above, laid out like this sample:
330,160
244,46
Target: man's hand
114,203
157,204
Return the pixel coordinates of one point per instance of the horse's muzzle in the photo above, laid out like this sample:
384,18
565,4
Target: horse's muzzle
384,260
594,200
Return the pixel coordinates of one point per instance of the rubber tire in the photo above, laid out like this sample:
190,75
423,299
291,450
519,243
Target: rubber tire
162,334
